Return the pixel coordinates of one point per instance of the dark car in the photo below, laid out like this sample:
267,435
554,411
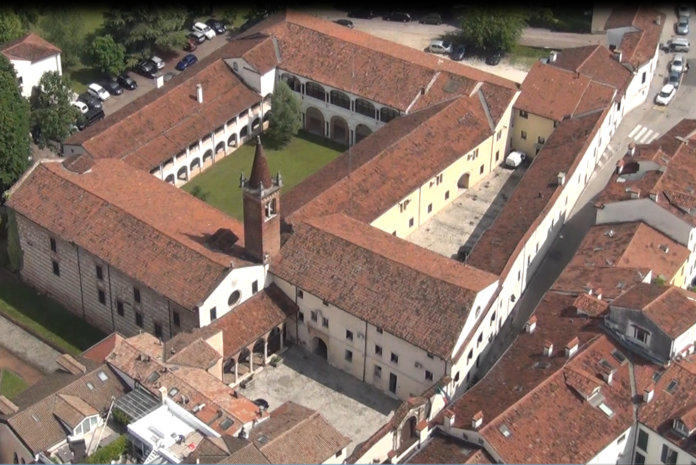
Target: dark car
459,53
463,252
494,58
674,78
345,22
262,403
216,26
112,87
90,101
127,82
196,37
89,118
361,14
191,45
399,17
188,60
250,23
432,18
146,68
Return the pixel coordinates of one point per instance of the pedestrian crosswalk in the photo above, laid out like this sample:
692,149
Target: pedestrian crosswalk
643,135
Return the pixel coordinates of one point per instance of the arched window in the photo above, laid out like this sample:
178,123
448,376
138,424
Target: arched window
234,299
16,458
312,89
340,99
478,311
365,108
292,82
387,114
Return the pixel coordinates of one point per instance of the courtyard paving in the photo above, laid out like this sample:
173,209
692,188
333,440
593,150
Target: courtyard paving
464,220
354,408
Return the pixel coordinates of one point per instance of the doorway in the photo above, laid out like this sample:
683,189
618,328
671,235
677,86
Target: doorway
392,383
319,348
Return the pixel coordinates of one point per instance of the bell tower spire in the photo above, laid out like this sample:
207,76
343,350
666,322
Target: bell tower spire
261,208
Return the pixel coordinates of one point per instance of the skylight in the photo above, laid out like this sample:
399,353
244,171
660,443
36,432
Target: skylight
606,364
672,386
656,376
102,376
90,386
541,365
173,391
226,423
605,408
154,376
35,418
621,358
506,432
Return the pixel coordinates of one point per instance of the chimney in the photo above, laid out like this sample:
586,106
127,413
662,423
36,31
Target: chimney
618,55
449,419
548,348
71,365
572,347
7,407
631,149
163,393
654,195
609,375
530,326
649,393
199,93
658,20
664,248
159,82
553,56
635,194
598,293
561,178
477,420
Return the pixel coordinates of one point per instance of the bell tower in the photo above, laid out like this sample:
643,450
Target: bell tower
261,208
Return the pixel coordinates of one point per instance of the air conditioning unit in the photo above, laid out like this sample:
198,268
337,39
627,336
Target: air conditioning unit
361,335
418,365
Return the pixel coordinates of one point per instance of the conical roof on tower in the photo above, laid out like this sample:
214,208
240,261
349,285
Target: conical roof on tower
259,169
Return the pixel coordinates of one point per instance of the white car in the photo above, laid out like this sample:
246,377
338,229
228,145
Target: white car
158,62
666,95
678,64
515,159
205,29
439,46
80,106
98,91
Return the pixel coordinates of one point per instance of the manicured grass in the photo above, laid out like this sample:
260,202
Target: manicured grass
523,55
11,384
305,155
46,318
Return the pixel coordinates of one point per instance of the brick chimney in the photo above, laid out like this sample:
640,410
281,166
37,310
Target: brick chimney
477,420
449,419
572,347
163,394
530,326
598,293
649,393
548,348
199,93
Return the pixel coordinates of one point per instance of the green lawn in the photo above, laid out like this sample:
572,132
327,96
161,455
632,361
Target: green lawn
523,55
11,384
46,318
305,155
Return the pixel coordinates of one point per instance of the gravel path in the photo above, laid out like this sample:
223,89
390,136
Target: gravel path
27,347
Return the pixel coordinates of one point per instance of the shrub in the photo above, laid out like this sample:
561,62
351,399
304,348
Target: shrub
109,452
121,417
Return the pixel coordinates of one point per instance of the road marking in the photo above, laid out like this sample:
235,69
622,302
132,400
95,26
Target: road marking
640,133
643,135
654,136
636,129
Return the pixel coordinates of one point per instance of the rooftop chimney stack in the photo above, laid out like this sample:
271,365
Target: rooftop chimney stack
530,326
649,393
553,56
609,375
572,347
449,419
598,293
561,178
618,55
199,93
477,420
631,149
163,394
548,348
654,196
159,82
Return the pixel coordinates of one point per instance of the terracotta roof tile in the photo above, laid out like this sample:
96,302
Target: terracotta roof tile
29,47
534,195
590,305
199,354
260,175
613,281
596,96
113,203
101,349
249,455
639,46
597,63
410,293
444,449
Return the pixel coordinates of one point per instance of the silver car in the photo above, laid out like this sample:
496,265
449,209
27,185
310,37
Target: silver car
678,64
683,25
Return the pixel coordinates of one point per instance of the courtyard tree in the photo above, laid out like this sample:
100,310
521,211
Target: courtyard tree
15,122
285,118
144,28
491,28
66,30
52,114
11,27
107,55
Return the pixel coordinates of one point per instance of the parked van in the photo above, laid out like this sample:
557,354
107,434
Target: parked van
91,117
679,45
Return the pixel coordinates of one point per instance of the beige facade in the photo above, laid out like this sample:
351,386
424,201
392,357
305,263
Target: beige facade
530,131
12,450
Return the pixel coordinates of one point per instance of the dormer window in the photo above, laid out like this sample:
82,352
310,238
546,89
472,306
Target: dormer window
271,209
641,335
680,428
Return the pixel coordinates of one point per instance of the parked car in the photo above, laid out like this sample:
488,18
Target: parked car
112,87
432,18
684,10
188,60
515,159
90,101
216,26
674,79
191,45
127,82
91,117
361,14
458,53
158,62
683,25
679,45
398,16
463,253
205,29
494,58
439,46
666,95
250,23
678,64
146,68
82,106
345,22
261,403
98,91
197,37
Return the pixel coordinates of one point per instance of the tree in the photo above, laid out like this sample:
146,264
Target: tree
28,14
490,28
65,29
14,120
285,118
108,56
229,15
142,29
11,27
52,113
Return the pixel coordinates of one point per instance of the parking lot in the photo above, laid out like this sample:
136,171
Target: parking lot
354,408
464,220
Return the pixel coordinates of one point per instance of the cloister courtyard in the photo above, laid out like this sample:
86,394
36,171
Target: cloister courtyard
304,155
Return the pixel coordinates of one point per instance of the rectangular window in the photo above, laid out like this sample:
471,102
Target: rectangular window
410,223
136,294
541,140
430,208
481,169
523,135
524,114
499,135
479,340
300,316
640,334
254,287
349,356
394,358
102,297
139,319
447,195
177,321
349,335
431,356
379,331
313,316
378,371
325,322
669,456
300,294
428,375
519,275
100,273
639,459
213,313
470,356
378,350
56,268
497,155
158,331
645,75
643,440
119,308
54,246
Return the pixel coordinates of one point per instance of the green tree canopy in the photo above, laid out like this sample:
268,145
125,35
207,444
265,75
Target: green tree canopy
285,118
65,29
11,27
490,28
52,113
108,56
14,121
143,29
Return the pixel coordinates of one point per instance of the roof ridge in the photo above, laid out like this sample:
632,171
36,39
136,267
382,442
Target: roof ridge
596,47
293,427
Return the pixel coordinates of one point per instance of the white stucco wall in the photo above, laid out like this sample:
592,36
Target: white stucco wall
31,72
653,454
238,279
618,451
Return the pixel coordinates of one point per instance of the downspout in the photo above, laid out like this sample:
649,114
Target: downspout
634,405
79,275
111,300
297,323
365,354
169,309
420,199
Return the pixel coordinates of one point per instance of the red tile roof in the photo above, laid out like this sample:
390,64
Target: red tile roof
591,305
408,291
148,229
29,47
534,196
444,449
101,349
579,279
640,46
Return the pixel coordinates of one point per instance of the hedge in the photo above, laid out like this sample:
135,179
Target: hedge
109,452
